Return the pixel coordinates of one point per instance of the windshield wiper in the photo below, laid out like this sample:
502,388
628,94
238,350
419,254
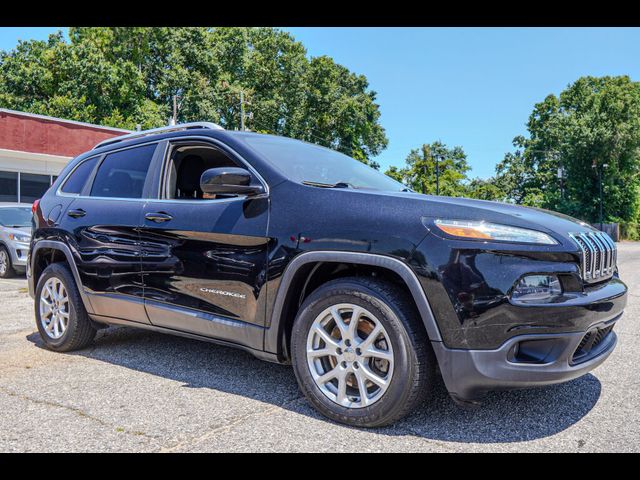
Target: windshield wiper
328,185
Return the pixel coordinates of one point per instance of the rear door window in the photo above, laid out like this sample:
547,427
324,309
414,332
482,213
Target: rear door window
122,174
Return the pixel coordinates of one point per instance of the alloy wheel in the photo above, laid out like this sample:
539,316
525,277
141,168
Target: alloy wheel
54,308
4,262
349,355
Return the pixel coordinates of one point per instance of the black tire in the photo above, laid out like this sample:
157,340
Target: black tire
9,271
80,332
414,360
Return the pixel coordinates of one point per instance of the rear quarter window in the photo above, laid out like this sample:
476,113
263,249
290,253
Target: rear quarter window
78,178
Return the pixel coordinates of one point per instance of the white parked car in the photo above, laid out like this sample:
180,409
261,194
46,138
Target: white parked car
15,236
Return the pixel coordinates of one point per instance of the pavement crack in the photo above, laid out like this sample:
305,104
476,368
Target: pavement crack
416,434
77,411
227,426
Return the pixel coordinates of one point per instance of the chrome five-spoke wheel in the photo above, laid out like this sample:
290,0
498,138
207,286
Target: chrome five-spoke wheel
350,356
54,308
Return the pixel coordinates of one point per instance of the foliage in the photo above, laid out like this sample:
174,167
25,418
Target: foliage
630,231
593,126
125,76
422,165
488,189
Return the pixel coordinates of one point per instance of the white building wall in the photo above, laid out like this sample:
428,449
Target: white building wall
28,162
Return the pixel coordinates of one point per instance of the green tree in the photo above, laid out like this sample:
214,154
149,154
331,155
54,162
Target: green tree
122,76
488,189
422,165
594,122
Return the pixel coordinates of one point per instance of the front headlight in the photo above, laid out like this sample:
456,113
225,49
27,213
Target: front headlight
492,231
19,238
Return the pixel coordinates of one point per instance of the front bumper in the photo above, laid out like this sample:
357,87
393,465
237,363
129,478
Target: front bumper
19,252
547,359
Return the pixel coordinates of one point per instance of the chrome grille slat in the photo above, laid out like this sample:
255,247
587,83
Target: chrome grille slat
609,253
583,247
612,252
591,245
599,255
600,267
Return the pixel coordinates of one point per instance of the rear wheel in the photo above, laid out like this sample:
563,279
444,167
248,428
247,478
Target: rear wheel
360,353
6,269
61,318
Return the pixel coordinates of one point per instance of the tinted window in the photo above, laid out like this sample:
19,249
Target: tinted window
15,216
122,174
33,186
306,162
8,186
78,178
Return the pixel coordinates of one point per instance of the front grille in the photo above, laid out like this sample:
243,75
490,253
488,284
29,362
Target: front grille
599,255
589,342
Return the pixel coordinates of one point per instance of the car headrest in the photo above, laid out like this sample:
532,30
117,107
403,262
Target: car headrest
189,173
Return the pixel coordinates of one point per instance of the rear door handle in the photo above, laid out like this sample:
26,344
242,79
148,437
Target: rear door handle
158,217
76,213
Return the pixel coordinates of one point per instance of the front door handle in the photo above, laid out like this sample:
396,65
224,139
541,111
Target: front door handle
77,213
158,217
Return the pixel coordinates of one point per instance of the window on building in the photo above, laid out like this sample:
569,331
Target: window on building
33,186
75,182
8,186
122,174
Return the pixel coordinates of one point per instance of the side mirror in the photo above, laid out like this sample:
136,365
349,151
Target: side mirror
229,180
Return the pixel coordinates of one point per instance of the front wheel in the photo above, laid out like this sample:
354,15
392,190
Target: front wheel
360,353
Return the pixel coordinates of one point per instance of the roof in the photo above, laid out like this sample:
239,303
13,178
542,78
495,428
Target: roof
41,134
63,120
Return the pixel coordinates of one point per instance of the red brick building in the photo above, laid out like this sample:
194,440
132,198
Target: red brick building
35,148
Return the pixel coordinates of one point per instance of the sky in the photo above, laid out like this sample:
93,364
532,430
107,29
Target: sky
468,87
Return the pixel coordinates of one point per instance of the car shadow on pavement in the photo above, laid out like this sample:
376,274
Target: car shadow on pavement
507,416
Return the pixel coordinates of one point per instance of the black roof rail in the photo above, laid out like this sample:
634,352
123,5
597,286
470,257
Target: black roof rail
155,131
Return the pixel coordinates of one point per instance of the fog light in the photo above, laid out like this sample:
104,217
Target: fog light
537,288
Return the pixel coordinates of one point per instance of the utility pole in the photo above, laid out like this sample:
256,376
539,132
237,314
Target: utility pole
242,110
561,178
599,172
424,179
437,157
174,118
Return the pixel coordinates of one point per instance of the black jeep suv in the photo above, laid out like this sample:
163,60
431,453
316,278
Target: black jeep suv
299,254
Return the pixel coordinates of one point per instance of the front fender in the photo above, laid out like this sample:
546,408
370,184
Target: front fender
275,333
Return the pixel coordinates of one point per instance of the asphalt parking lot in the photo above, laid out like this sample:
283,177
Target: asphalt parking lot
139,391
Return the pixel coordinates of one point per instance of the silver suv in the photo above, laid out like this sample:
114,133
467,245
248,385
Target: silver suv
15,235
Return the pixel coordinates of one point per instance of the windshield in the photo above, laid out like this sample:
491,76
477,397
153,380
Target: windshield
15,217
311,164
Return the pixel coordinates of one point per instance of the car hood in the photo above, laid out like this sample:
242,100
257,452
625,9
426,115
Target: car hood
17,230
457,208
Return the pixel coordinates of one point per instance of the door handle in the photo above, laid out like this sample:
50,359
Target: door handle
77,213
158,217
